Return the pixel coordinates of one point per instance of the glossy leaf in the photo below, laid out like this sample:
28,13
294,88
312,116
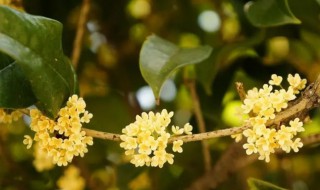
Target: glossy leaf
34,42
257,184
160,58
15,89
267,13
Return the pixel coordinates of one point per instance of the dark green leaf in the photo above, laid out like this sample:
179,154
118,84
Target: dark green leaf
257,184
160,58
266,13
15,89
307,12
34,42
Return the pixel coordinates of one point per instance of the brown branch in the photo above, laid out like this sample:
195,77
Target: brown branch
233,159
210,135
310,99
201,124
102,135
238,159
311,139
184,138
77,44
222,170
241,91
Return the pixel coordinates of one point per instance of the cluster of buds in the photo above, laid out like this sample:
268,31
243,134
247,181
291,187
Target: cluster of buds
8,116
146,140
62,139
262,106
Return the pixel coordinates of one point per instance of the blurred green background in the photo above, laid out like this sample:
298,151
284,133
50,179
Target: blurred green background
114,90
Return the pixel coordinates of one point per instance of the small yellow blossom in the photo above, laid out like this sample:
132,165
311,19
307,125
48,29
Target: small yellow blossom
296,125
250,148
176,130
296,82
275,80
296,145
8,116
187,129
27,141
177,146
237,137
146,140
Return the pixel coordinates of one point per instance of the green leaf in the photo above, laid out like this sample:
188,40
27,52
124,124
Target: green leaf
34,42
224,56
267,13
15,89
160,58
257,184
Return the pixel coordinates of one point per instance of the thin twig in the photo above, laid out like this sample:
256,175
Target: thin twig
184,138
228,162
77,44
210,135
201,124
241,91
102,135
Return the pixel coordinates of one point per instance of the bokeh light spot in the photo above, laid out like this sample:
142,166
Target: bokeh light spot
146,98
209,21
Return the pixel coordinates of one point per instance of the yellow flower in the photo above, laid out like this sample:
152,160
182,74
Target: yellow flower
9,116
237,137
296,125
275,80
177,146
296,145
250,134
86,117
265,90
289,94
187,129
250,148
296,82
27,141
176,130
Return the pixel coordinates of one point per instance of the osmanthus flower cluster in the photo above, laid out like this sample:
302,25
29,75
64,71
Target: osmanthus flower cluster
63,138
8,117
262,105
71,179
146,140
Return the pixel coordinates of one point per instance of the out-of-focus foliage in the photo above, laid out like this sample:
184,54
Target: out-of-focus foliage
264,13
256,184
109,78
